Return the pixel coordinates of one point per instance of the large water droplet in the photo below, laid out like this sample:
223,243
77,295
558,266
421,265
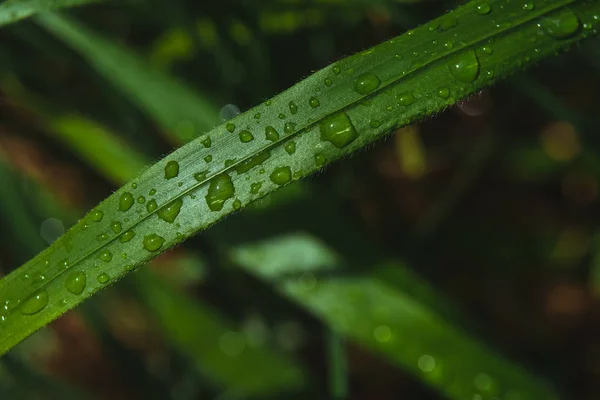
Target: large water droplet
126,201
281,175
314,102
484,8
208,158
151,206
141,199
289,127
219,191
34,303
366,84
116,227
230,127
103,278
76,282
293,107
465,67
271,134
206,142
97,215
171,169
170,212
153,242
338,130
255,187
246,136
561,24
320,160
290,147
105,255
406,99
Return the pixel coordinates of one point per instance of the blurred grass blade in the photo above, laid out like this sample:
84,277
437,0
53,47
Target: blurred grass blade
328,115
16,10
180,111
220,353
404,328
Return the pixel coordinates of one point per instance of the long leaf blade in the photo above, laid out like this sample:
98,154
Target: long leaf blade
359,100
16,10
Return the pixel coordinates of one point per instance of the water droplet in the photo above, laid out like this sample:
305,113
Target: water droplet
338,130
34,303
230,127
246,136
271,134
257,116
105,255
152,192
281,116
208,158
484,8
487,49
336,70
528,6
465,67
290,147
141,199
75,282
444,93
134,185
170,212
405,99
374,123
116,227
366,84
320,160
314,102
281,175
268,103
153,242
103,278
237,204
206,142
255,187
151,206
97,215
252,162
293,107
229,111
289,127
561,25
171,169
201,176
327,82
127,236
126,201
219,191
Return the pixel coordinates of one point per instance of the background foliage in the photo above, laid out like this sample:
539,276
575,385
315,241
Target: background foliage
456,259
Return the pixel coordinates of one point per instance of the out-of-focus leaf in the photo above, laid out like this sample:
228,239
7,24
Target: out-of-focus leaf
178,109
405,329
16,10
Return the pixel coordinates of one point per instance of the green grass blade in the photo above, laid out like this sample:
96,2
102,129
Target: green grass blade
404,327
16,10
328,115
180,111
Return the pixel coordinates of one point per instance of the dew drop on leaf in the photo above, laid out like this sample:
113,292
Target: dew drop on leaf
152,192
406,99
97,215
76,282
208,158
561,24
206,142
103,278
293,107
528,6
105,256
200,176
116,227
219,191
230,127
151,206
465,67
255,187
126,201
289,127
246,136
141,199
484,8
338,130
320,160
34,303
171,169
170,212
271,134
237,204
366,84
327,82
374,123
336,70
314,102
290,147
444,93
153,242
281,175
127,236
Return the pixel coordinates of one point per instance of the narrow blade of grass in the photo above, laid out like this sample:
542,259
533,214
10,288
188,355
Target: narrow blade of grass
16,10
328,115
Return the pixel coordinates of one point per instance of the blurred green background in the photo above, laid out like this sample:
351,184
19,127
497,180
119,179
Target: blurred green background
457,259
